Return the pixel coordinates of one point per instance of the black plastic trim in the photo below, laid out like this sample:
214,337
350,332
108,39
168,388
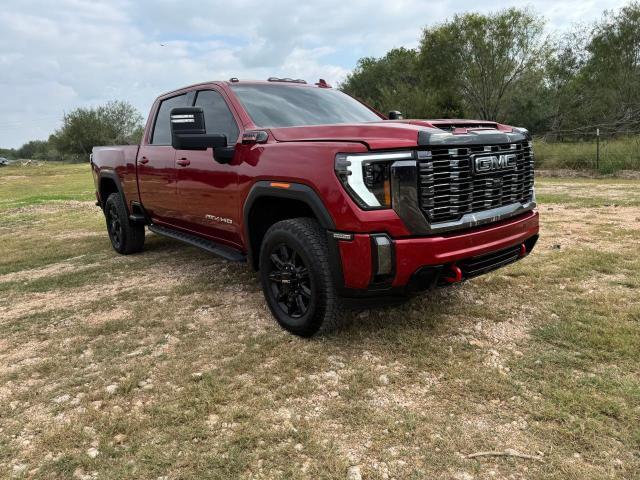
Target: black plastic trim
116,179
139,215
473,137
137,219
335,263
382,281
425,278
296,191
404,196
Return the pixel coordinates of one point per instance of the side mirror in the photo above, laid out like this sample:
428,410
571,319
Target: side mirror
395,115
188,131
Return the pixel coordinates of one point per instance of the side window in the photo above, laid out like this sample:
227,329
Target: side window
162,127
217,116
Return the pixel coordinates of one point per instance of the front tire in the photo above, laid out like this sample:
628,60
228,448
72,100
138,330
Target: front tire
296,279
126,238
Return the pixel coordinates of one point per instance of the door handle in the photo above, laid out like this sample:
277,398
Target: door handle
144,160
183,162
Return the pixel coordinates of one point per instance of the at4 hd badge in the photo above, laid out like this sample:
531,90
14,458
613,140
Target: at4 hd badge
217,219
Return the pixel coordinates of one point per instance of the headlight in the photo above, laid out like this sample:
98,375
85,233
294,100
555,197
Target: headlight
367,176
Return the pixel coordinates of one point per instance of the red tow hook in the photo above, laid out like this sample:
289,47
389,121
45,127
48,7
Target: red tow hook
456,275
523,250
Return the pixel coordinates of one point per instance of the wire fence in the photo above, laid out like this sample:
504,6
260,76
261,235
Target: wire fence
602,152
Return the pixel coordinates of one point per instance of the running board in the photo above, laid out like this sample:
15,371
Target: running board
223,251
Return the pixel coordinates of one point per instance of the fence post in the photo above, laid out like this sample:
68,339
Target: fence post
597,149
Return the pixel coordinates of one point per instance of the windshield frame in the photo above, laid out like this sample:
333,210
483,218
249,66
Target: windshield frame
257,86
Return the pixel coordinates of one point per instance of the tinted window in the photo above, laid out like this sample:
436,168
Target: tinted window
288,106
162,128
217,116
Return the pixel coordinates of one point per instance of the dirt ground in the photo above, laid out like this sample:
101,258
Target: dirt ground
167,364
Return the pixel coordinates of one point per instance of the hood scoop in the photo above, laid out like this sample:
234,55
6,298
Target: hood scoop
471,136
459,126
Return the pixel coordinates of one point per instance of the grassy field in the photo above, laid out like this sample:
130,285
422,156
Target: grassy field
615,154
168,365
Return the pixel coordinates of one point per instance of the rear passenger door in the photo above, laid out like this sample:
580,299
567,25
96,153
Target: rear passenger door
207,189
156,165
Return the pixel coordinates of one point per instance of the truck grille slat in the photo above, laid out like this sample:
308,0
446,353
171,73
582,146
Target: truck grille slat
448,187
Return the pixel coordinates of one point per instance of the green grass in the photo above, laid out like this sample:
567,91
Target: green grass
541,356
37,184
615,154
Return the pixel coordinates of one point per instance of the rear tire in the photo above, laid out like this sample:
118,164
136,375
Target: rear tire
126,238
296,279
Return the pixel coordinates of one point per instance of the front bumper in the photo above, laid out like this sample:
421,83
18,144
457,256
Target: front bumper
419,263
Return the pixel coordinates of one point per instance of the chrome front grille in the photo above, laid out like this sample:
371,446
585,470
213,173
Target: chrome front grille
448,187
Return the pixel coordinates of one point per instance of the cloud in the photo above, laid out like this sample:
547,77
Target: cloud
55,56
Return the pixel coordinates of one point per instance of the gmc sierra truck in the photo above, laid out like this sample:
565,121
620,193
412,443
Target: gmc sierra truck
327,198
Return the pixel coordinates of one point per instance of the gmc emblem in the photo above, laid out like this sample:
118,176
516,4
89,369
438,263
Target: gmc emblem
490,163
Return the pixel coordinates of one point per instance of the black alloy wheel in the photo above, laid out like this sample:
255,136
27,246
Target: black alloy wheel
296,278
114,226
126,237
289,281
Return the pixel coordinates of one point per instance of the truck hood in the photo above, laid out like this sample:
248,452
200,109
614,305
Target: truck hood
390,133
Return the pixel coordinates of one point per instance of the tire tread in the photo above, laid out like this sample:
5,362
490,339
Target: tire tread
133,234
309,232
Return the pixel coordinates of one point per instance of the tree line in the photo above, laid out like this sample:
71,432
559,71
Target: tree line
114,123
504,67
500,66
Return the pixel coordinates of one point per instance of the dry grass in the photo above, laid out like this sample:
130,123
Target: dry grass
168,365
622,153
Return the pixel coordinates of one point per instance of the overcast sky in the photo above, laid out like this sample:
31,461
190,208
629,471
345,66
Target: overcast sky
58,55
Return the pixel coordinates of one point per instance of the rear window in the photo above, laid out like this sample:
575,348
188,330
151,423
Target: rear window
290,106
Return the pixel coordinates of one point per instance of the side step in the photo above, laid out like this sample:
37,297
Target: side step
223,251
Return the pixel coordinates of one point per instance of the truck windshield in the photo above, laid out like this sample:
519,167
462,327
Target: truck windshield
290,106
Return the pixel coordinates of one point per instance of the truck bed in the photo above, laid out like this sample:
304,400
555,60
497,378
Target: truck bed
120,161
115,156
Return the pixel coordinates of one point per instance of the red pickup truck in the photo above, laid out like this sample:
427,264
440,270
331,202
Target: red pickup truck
327,198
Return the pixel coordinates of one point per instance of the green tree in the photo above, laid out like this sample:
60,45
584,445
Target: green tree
593,76
122,122
84,128
476,62
10,153
389,83
565,96
486,66
33,149
611,74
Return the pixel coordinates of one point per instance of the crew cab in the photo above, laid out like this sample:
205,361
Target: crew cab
327,198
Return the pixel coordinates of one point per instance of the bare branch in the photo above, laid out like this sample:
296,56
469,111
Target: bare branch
509,452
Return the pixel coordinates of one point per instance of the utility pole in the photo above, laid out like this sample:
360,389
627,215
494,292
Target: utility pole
597,149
